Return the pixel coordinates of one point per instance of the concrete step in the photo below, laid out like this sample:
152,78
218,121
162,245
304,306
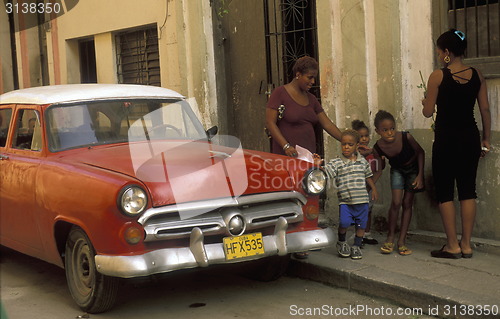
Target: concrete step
443,287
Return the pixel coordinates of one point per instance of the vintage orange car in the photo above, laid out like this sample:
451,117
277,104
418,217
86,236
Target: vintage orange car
117,181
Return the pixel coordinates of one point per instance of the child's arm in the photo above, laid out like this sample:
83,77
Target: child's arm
370,183
317,160
419,181
364,150
376,176
331,170
379,164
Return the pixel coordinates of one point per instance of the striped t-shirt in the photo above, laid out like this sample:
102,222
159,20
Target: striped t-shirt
350,178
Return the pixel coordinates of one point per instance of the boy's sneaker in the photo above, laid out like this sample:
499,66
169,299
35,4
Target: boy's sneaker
356,252
343,249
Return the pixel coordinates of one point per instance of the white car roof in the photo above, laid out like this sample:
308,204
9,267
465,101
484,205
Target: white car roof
85,92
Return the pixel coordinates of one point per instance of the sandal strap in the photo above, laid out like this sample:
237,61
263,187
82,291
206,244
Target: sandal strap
387,247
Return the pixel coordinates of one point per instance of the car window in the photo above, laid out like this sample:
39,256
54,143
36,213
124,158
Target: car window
27,134
108,122
5,116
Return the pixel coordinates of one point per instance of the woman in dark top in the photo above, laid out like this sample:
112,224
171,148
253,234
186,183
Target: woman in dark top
455,89
293,124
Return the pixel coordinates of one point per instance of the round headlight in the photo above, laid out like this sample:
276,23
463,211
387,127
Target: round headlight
133,200
314,181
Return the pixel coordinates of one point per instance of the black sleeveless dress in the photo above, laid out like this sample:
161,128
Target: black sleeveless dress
457,145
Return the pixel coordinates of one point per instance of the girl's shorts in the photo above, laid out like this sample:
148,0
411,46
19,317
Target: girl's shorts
403,177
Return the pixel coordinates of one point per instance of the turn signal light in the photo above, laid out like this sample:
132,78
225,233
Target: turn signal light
311,212
133,235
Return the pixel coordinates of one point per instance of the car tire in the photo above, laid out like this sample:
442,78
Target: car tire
269,269
92,291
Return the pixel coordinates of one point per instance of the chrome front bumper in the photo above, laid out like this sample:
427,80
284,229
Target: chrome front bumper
199,254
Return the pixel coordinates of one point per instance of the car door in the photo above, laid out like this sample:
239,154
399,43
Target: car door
19,161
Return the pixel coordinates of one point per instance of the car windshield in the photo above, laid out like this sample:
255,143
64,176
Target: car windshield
119,121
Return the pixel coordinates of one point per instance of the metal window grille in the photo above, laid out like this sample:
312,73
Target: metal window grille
290,31
138,58
480,21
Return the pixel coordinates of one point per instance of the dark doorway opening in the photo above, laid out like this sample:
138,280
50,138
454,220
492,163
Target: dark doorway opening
88,69
291,33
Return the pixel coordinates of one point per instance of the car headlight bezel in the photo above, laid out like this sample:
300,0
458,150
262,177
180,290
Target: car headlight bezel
314,181
132,200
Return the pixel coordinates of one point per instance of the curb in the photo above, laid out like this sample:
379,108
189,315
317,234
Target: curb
404,290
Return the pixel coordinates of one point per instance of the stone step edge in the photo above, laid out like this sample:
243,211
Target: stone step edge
403,290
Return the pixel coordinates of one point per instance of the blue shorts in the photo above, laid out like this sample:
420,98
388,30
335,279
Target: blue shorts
356,214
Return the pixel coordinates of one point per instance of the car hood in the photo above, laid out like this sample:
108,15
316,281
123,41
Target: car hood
177,172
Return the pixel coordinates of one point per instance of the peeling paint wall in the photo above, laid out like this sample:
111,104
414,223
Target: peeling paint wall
241,39
6,74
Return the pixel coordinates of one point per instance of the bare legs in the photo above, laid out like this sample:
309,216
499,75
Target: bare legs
468,216
406,201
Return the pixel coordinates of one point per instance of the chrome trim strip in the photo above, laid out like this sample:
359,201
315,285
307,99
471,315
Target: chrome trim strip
170,259
208,205
268,197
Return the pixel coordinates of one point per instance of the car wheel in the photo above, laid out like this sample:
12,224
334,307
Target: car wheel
91,290
270,268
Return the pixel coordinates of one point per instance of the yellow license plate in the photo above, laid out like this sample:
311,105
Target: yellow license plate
243,246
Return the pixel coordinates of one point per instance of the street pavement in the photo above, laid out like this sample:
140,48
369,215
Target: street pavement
446,288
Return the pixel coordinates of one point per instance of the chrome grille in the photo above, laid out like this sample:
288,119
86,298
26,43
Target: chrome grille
258,211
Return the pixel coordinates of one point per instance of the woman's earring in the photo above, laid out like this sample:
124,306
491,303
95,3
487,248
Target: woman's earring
447,59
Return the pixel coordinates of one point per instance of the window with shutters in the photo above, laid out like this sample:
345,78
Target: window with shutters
138,58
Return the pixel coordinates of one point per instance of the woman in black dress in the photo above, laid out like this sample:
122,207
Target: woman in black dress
457,144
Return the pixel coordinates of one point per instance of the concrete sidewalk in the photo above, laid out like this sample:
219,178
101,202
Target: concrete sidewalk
461,288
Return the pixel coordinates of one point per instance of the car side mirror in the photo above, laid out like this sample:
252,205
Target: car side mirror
211,132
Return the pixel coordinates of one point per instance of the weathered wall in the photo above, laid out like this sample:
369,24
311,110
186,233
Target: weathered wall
27,52
242,39
6,75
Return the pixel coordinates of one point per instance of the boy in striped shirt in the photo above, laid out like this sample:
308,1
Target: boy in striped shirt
350,173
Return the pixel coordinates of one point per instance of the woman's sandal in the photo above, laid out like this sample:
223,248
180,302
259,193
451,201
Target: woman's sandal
465,255
404,251
441,253
387,248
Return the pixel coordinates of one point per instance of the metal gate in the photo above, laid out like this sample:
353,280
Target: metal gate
290,33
